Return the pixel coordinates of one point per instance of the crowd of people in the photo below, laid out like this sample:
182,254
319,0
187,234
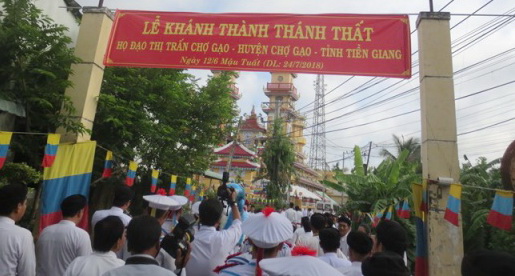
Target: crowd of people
168,241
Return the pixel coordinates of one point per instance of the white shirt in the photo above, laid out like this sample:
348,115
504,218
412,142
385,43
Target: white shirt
344,247
353,270
210,248
241,270
298,216
114,211
290,214
312,242
300,233
332,259
58,245
95,264
16,249
140,269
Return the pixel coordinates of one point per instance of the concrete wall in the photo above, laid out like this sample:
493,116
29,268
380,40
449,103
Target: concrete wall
56,10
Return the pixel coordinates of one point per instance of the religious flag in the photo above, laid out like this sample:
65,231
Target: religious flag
192,194
421,262
52,144
108,165
424,203
389,213
70,174
502,210
5,141
188,187
173,183
398,208
377,218
453,204
131,174
155,176
201,195
405,210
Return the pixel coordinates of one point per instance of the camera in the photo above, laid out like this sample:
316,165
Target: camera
223,191
179,237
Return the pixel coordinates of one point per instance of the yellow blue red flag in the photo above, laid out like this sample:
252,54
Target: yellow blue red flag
5,141
453,204
70,174
131,174
51,149
108,165
155,176
501,213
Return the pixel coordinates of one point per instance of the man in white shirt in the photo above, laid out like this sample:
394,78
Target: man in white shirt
290,213
16,243
317,222
109,238
298,216
211,247
264,246
143,234
59,244
123,196
330,242
344,226
360,245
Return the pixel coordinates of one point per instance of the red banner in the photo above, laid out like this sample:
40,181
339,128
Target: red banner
369,45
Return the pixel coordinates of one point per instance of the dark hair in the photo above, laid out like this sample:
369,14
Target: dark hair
384,264
304,221
10,196
345,219
392,236
329,239
291,204
143,233
359,242
317,221
486,262
107,233
122,195
210,212
72,205
297,208
367,228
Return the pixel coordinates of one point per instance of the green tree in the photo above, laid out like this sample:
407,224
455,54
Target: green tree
383,186
162,118
476,204
412,145
35,61
278,157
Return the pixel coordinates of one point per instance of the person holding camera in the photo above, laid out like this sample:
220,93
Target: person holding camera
143,234
211,247
159,207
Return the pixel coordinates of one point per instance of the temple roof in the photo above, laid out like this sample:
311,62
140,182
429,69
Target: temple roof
306,169
239,150
251,123
308,182
236,164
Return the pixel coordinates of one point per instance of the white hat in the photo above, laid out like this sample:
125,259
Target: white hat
267,229
160,202
181,200
195,208
297,266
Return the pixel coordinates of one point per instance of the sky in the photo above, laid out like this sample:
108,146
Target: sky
483,62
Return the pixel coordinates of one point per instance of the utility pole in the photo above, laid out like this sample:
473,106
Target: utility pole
343,162
439,149
368,156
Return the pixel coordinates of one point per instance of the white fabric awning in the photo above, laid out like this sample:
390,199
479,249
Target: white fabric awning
303,192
